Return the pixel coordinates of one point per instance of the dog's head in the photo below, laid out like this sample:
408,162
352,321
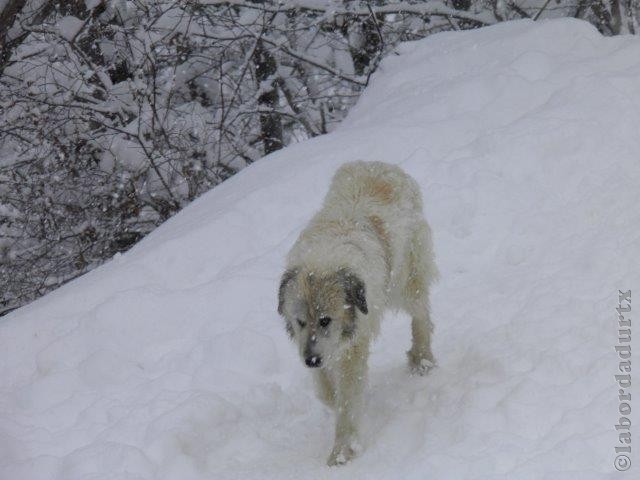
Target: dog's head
320,310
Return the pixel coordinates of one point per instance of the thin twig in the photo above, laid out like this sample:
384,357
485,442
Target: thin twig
542,9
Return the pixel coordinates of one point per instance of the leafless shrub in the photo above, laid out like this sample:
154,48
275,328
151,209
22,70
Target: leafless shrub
115,115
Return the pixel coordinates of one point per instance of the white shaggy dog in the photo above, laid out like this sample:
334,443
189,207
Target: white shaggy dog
368,249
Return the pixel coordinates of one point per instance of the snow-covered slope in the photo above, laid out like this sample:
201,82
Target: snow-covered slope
170,362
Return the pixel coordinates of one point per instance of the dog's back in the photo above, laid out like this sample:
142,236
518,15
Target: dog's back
360,188
384,197
373,207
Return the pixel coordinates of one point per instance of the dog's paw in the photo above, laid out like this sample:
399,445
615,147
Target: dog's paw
342,454
420,364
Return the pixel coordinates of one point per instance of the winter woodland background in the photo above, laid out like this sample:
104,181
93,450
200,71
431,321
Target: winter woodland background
116,114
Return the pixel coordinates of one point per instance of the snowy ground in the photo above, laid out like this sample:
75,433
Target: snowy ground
170,362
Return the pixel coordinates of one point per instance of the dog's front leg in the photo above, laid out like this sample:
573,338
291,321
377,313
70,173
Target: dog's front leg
351,378
324,387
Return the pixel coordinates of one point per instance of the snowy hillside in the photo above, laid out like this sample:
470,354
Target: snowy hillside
170,362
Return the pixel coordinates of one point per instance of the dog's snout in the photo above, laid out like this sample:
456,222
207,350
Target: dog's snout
313,361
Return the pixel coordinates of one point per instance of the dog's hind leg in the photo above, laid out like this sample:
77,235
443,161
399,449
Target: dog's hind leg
420,355
421,272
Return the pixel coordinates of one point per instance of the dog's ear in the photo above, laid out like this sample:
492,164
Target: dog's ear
289,329
287,276
354,289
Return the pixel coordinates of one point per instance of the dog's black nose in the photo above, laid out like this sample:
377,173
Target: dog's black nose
313,361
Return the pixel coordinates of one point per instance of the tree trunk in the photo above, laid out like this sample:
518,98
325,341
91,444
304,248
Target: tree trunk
270,123
7,17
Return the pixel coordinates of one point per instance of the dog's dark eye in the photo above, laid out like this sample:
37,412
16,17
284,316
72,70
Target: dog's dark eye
324,321
301,323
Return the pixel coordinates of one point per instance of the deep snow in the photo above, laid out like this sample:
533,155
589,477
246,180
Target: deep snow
170,361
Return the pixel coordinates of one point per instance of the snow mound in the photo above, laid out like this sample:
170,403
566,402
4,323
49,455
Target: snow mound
170,361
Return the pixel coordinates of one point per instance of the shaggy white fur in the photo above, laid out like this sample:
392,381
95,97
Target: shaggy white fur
368,249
